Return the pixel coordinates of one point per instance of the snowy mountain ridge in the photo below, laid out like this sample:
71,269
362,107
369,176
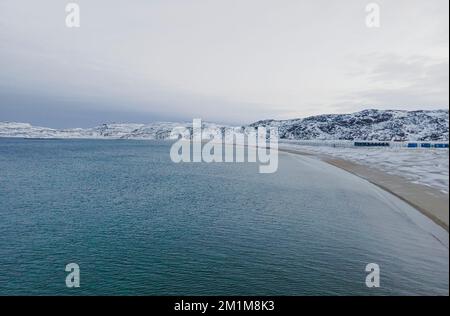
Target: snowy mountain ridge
374,125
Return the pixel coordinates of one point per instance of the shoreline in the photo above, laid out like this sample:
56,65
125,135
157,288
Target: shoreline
429,201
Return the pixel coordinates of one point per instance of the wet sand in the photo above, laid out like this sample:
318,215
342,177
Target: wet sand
431,202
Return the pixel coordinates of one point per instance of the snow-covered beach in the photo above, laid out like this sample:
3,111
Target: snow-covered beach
417,176
428,167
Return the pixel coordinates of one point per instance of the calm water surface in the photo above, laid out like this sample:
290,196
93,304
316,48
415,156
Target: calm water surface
137,223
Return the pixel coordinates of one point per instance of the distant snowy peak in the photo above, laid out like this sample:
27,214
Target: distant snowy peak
381,125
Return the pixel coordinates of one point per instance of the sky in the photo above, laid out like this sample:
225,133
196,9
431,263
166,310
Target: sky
227,61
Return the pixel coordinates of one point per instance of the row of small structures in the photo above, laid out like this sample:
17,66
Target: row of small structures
409,145
345,143
427,145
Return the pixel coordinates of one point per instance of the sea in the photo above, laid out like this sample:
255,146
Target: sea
136,223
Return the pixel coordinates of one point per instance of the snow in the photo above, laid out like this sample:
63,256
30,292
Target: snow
160,130
428,167
332,135
381,125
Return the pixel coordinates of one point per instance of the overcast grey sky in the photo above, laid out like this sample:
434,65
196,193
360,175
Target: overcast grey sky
229,61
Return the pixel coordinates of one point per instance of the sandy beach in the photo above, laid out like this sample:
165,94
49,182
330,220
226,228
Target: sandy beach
430,201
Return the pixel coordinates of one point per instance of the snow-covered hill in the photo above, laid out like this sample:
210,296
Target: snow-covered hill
112,131
382,125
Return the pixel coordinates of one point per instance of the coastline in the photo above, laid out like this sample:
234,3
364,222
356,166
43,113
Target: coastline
429,201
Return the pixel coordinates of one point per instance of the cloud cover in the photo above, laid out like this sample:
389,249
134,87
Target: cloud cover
228,61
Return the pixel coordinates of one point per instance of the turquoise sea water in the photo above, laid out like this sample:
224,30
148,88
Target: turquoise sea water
136,223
